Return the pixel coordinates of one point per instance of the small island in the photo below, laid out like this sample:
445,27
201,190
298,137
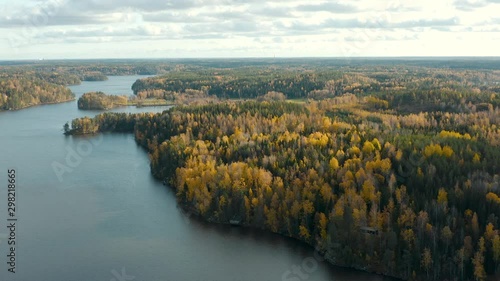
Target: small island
94,76
100,101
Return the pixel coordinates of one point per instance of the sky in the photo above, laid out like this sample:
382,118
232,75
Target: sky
82,29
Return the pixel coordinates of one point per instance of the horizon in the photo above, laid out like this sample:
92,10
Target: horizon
250,58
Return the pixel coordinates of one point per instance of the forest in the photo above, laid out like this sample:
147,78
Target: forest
89,70
391,169
397,84
93,76
21,91
100,101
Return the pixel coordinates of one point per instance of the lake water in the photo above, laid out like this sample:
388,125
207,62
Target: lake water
104,218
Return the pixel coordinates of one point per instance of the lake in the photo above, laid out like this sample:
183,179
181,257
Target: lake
103,217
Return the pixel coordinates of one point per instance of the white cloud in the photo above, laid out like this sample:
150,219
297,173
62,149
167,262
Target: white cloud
202,28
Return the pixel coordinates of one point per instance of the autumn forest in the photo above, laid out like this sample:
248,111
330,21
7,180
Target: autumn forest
388,167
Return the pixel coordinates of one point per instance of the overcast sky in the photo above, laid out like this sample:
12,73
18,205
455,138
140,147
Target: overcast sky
59,29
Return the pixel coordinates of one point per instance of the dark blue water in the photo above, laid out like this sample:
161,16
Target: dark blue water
89,210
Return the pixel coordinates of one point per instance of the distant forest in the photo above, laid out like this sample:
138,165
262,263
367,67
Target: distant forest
246,78
385,166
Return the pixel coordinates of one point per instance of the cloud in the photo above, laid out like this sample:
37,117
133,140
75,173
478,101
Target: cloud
426,23
370,23
95,12
168,16
150,32
224,14
470,5
105,6
272,12
228,27
56,12
332,7
144,30
380,37
33,21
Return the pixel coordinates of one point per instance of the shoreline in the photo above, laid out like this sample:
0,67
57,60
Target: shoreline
35,105
133,104
128,105
323,254
152,105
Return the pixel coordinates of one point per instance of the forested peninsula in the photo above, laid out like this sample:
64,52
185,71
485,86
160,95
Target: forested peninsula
393,172
21,92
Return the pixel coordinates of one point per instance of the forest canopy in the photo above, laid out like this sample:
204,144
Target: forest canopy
411,196
406,89
101,101
22,92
